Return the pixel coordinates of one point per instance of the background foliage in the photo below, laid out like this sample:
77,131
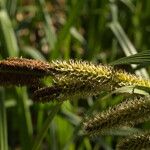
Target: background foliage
98,31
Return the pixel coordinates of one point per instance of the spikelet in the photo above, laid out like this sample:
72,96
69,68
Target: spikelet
122,78
135,142
81,71
66,89
95,74
75,79
79,79
78,68
127,113
23,65
21,71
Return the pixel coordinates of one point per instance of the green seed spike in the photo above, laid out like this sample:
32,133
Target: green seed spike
135,142
122,78
127,113
77,68
95,74
81,70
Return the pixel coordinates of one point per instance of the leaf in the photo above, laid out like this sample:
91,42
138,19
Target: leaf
32,52
142,58
3,122
43,131
121,36
7,35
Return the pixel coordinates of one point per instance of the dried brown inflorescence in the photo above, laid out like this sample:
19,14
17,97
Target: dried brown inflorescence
23,65
22,71
65,90
7,79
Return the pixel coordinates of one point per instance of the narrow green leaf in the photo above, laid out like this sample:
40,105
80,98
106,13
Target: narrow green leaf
126,45
132,90
139,58
7,36
49,29
24,117
74,13
33,53
3,122
129,4
43,131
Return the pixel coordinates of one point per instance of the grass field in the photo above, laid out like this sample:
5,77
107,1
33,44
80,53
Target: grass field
101,31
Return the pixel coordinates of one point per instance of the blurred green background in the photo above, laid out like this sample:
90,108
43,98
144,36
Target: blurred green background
100,31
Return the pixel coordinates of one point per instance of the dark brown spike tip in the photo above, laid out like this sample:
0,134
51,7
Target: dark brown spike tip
47,94
9,79
23,65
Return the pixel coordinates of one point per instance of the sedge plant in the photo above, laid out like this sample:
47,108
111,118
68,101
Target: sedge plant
82,79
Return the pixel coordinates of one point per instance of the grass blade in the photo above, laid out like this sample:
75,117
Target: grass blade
49,29
126,45
25,125
45,128
139,58
33,53
75,12
7,35
3,122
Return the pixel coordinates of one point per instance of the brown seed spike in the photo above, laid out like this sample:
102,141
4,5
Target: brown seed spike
66,90
22,71
140,141
23,65
129,112
47,94
9,79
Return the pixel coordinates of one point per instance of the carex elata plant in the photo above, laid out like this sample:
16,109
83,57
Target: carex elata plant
82,79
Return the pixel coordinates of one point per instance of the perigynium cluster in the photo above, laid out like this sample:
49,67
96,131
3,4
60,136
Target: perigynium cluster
73,79
127,113
135,142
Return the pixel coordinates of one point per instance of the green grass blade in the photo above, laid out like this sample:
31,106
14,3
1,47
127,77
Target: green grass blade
3,122
33,53
129,4
7,36
24,117
11,7
49,29
2,3
74,13
42,133
126,45
139,58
